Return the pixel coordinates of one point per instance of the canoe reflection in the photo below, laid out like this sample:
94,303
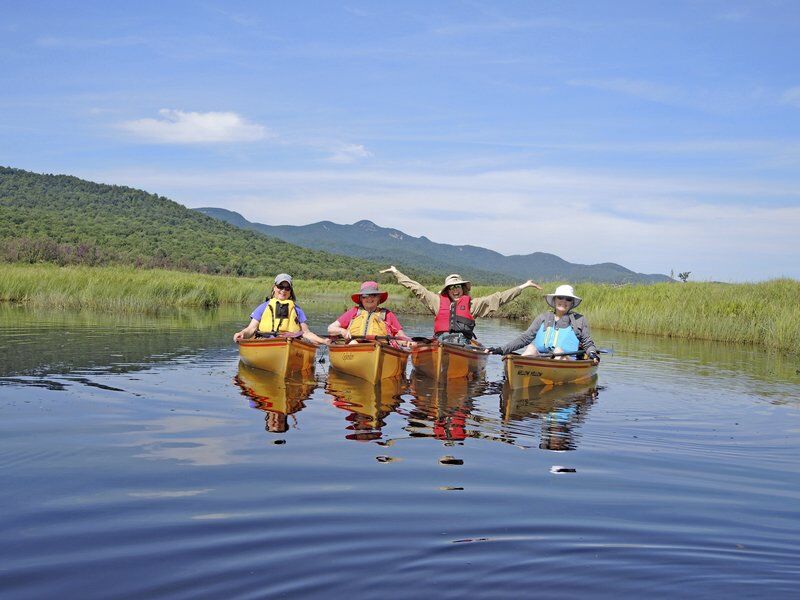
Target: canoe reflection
279,397
558,410
442,407
368,404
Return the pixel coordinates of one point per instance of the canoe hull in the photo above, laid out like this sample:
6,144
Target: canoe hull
370,361
529,371
282,356
447,361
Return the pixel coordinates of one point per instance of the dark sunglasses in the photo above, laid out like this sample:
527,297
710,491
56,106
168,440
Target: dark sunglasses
457,285
284,287
567,298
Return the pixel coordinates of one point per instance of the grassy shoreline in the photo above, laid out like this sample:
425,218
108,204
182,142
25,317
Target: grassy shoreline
765,314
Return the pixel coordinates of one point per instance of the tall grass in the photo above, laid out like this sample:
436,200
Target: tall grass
765,314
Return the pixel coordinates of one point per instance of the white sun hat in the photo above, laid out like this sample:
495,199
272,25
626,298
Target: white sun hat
563,290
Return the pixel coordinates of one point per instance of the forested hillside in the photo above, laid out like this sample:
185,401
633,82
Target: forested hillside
66,220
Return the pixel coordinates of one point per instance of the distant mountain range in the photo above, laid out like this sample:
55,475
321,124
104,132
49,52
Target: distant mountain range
367,240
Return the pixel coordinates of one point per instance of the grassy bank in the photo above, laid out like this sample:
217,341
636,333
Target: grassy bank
765,313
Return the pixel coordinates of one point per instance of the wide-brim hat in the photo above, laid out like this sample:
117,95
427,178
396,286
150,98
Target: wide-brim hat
563,290
455,279
370,287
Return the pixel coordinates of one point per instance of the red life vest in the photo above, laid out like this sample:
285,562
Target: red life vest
454,317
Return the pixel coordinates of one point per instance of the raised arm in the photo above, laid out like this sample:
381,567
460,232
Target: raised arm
427,297
487,305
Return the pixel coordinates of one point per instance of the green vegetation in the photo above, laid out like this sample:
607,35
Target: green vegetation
69,221
765,314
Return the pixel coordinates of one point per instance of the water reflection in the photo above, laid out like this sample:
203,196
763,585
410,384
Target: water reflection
277,396
557,411
368,404
442,408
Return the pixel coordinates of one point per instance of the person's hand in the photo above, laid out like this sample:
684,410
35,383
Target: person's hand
391,270
239,335
493,350
345,333
530,283
594,357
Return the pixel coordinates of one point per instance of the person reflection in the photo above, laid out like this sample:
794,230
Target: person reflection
557,411
444,407
280,398
367,404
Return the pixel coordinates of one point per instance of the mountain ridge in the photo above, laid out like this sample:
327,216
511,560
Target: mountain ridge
365,239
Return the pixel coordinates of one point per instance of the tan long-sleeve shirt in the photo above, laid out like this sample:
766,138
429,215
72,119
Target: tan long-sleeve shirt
479,307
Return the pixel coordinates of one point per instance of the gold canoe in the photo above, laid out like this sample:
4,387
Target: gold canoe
278,355
529,371
447,361
369,360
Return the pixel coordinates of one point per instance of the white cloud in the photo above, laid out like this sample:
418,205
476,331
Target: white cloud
180,127
792,96
349,153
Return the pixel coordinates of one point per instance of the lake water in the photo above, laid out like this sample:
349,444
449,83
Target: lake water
139,460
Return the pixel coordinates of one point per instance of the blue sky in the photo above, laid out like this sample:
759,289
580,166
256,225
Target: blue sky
657,135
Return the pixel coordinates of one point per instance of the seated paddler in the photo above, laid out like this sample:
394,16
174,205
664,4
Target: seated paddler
279,315
367,318
454,309
556,332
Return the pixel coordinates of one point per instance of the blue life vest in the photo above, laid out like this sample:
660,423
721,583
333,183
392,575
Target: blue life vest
548,338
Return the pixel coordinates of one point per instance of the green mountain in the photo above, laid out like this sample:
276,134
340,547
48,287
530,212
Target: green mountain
367,240
66,220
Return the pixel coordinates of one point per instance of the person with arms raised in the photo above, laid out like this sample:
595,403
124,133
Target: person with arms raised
454,309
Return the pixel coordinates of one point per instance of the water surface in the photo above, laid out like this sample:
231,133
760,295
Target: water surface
140,459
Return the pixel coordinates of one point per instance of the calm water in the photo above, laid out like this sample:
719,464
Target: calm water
139,460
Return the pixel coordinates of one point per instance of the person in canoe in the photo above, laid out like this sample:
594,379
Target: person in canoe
454,309
557,331
279,315
366,318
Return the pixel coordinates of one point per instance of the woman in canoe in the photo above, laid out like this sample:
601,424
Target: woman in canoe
279,315
366,319
455,311
556,332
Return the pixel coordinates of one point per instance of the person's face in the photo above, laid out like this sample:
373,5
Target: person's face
563,304
282,291
369,301
455,291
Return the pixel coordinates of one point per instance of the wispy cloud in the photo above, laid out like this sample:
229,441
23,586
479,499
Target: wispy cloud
647,90
349,153
180,127
792,96
519,212
51,41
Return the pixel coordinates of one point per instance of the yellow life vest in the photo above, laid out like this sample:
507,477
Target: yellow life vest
368,323
279,317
